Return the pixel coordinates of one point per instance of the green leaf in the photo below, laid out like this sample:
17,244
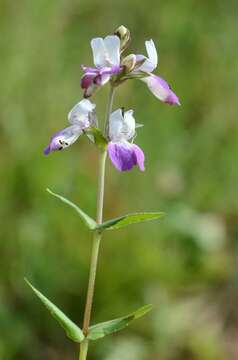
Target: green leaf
71,329
89,222
97,137
100,330
129,219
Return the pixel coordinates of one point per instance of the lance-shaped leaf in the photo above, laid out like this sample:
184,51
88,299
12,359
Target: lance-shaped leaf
71,329
129,219
97,137
100,330
89,222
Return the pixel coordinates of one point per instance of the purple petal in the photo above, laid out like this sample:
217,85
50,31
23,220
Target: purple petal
91,81
97,77
88,69
140,157
64,138
87,80
172,99
160,88
88,83
125,155
47,150
116,69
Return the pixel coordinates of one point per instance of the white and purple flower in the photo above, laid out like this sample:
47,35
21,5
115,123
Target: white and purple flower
106,56
80,117
123,153
158,86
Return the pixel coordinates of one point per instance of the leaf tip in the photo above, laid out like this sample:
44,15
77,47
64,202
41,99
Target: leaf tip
26,280
144,310
29,284
49,191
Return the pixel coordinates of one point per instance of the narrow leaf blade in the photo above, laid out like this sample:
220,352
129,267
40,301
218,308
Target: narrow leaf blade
129,219
89,222
71,329
102,329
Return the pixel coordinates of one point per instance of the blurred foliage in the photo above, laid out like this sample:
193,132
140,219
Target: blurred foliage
186,264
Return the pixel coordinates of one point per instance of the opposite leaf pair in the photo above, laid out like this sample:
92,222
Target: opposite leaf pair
121,132
97,331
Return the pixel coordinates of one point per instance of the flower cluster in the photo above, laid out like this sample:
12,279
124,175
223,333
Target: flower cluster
111,66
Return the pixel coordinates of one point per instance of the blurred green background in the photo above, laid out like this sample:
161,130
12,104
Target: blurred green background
186,264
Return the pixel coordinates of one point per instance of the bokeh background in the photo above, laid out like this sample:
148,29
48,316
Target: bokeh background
185,264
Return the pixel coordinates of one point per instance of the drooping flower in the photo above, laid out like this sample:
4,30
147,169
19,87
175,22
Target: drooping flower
106,56
123,153
80,118
158,86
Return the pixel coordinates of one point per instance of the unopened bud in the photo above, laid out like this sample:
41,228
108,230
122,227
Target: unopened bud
124,35
129,62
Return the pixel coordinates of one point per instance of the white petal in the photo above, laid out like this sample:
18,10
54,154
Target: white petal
112,45
121,127
70,135
105,78
115,125
152,52
99,52
79,114
129,125
156,87
151,62
64,138
87,105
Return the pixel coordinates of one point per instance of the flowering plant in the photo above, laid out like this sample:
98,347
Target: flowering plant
115,139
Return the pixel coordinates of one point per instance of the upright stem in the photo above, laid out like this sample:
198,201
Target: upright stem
96,237
83,350
96,243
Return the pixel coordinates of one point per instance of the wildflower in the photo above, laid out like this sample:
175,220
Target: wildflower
80,118
124,154
106,56
158,86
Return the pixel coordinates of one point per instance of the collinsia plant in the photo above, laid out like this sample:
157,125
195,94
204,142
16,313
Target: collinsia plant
116,140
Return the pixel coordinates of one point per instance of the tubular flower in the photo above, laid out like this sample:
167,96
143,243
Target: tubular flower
106,56
80,118
124,154
158,86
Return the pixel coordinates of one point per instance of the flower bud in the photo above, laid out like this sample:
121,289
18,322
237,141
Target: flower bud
124,35
129,62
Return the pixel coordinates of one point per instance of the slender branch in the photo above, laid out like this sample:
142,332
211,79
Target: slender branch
97,236
109,108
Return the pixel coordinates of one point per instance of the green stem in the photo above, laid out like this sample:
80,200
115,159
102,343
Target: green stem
83,350
96,243
96,237
109,108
